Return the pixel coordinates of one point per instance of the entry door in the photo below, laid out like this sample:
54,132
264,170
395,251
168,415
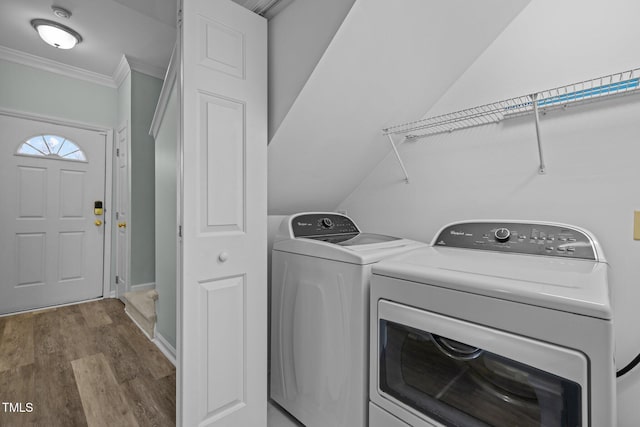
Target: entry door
222,347
52,249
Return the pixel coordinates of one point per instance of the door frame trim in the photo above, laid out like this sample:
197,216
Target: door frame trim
123,126
108,178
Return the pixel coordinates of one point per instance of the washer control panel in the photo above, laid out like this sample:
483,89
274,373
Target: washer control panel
322,224
525,238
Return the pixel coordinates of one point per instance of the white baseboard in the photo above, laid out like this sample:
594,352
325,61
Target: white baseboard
143,287
167,349
139,287
50,307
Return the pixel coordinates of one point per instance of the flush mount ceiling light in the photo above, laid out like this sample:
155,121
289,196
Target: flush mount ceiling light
56,35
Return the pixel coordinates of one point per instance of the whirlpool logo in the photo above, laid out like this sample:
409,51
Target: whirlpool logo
460,233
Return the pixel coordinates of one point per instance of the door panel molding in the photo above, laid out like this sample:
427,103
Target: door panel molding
223,303
222,119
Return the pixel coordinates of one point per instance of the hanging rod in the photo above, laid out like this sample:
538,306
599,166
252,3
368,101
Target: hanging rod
587,91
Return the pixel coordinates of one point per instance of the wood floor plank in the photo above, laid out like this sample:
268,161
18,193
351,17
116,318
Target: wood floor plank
164,392
142,394
57,397
122,357
113,306
94,314
17,386
47,335
17,348
102,399
71,317
156,362
78,339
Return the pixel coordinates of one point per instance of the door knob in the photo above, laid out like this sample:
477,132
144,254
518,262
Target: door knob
122,225
223,256
98,223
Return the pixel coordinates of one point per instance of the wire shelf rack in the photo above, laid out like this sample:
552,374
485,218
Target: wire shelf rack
623,83
587,91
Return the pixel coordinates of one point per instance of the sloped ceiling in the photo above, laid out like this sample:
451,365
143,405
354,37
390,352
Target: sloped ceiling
389,62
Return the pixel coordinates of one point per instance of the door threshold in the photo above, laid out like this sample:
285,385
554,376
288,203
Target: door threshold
51,307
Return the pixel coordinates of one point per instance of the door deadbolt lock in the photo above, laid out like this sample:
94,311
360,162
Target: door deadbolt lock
98,208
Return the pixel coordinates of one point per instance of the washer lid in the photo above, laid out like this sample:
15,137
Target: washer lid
356,239
355,254
571,285
335,237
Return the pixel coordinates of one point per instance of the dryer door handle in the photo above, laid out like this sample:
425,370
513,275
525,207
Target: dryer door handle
456,350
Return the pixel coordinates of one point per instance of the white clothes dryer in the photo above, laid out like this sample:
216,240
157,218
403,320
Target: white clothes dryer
321,266
497,323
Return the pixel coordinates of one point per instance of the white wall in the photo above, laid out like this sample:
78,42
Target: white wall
491,171
166,205
145,91
41,92
137,97
298,36
388,61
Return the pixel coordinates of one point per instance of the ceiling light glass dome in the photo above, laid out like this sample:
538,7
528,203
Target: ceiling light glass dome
56,35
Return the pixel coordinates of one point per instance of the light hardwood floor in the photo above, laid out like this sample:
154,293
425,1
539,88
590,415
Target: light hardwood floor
82,365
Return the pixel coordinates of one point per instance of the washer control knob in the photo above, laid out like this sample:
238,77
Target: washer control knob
326,223
502,234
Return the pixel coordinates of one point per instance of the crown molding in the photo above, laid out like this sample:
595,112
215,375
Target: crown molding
167,87
122,71
56,67
124,68
127,64
149,70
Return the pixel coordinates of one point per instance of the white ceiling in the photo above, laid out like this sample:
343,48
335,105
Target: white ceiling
143,30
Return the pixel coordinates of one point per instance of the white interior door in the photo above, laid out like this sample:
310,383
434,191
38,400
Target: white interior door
52,249
222,345
122,211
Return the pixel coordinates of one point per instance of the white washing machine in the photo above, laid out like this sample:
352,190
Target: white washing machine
497,323
321,266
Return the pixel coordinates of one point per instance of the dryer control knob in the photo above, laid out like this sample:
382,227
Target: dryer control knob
502,234
326,223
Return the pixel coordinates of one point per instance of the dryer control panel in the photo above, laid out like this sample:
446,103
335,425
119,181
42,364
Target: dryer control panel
525,238
322,224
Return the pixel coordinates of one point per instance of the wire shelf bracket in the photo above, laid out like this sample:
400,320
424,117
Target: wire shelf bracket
536,114
395,150
606,87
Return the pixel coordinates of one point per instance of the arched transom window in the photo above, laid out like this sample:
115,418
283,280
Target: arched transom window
52,147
